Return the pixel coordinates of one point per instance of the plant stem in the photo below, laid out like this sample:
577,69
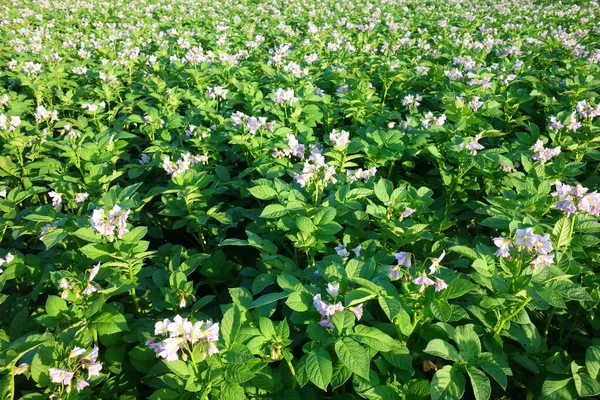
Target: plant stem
136,302
548,320
511,316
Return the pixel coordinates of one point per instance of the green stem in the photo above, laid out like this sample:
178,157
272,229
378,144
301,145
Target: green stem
293,371
194,362
511,316
548,320
136,302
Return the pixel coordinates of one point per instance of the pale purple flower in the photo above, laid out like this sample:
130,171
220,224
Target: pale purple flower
94,271
341,251
333,289
590,203
525,237
81,384
504,245
326,322
440,285
89,289
542,244
339,138
423,281
356,250
542,153
357,311
169,348
404,258
542,260
77,351
161,327
56,199
177,327
325,309
194,333
211,331
21,368
60,376
81,197
408,212
435,264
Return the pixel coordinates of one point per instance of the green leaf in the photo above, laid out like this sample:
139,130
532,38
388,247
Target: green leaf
447,384
340,375
266,327
465,251
375,338
305,225
110,321
232,391
555,388
343,320
399,358
55,306
273,211
441,348
178,367
383,190
468,342
230,325
268,298
441,310
354,356
480,383
298,301
457,288
238,373
562,232
54,237
263,192
88,234
238,353
592,361
586,386
319,367
487,362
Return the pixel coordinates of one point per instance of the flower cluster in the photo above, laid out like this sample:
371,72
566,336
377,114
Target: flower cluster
576,198
412,101
294,148
285,96
6,260
339,138
42,114
216,92
423,280
526,238
181,334
404,259
184,163
328,309
542,153
430,120
341,251
315,169
106,225
87,361
472,144
361,174
252,123
9,125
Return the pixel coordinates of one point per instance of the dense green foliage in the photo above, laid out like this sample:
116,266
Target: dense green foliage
312,200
